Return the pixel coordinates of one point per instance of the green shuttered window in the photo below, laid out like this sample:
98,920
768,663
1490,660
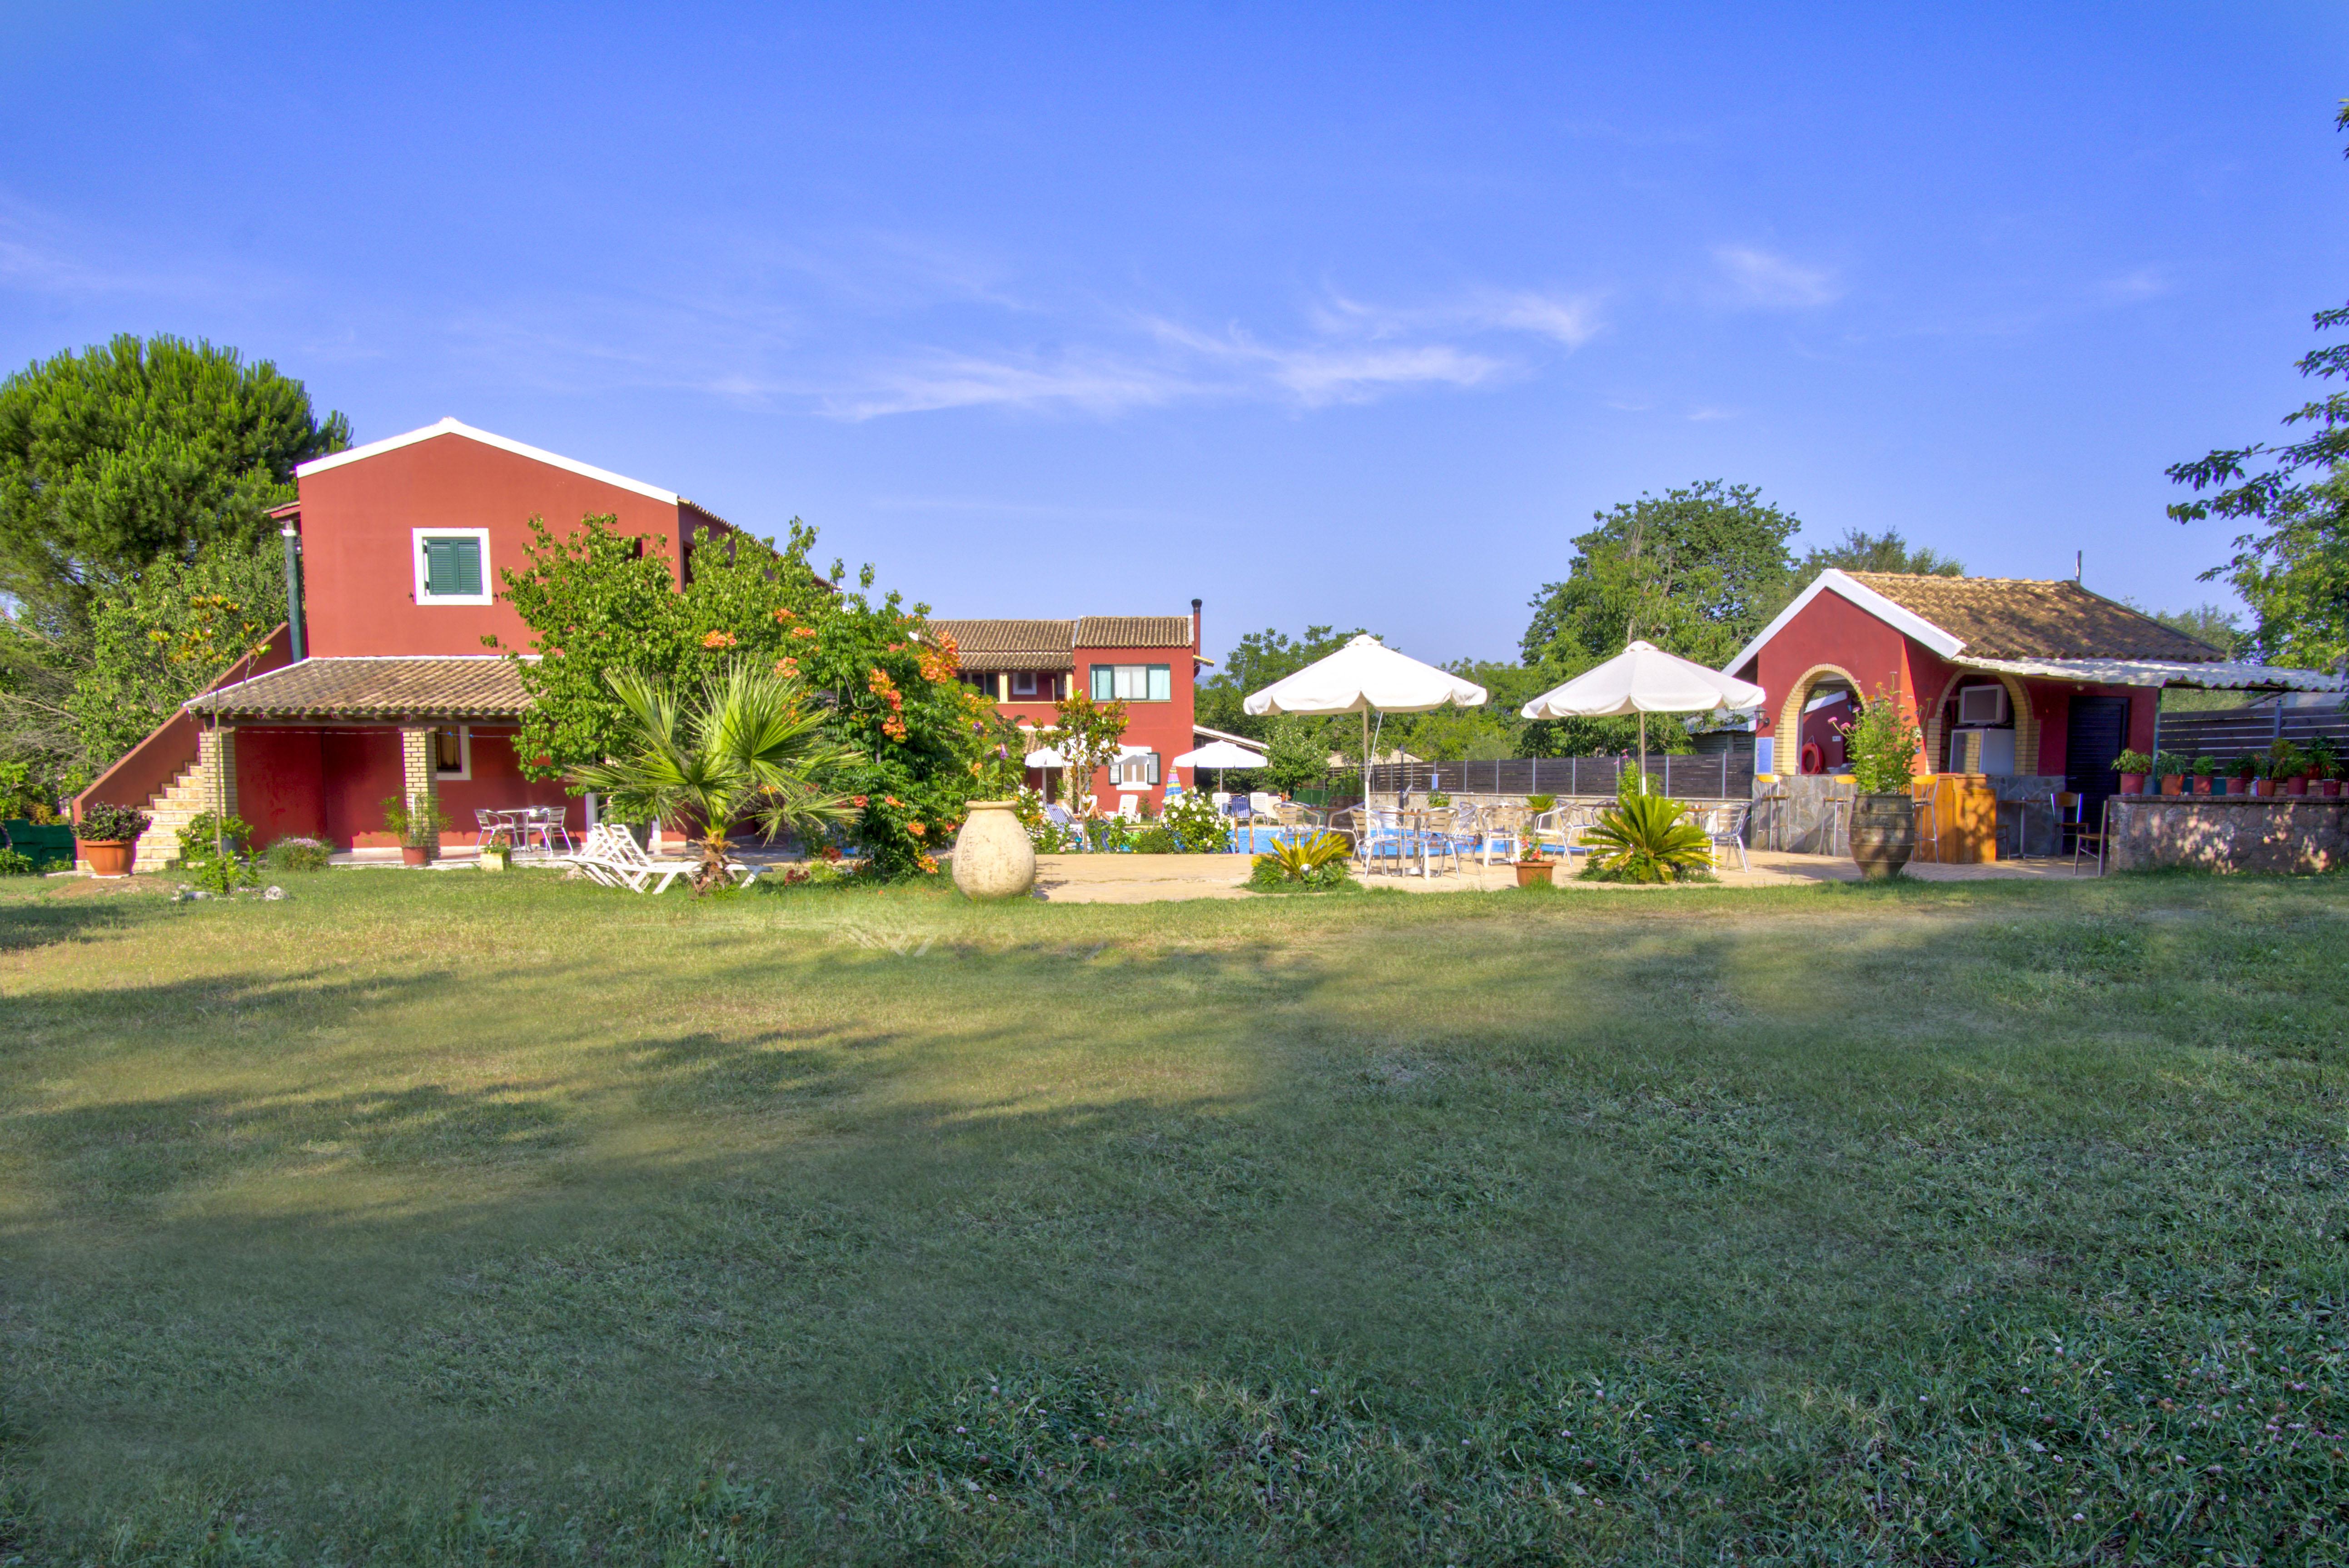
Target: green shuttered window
1133,683
452,567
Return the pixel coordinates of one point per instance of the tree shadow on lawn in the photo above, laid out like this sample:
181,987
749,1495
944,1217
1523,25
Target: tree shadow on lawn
826,1173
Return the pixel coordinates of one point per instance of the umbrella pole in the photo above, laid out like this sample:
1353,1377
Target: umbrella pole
1643,751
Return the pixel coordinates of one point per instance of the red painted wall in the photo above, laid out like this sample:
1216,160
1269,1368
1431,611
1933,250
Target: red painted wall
1830,629
360,577
281,783
359,770
1163,726
498,783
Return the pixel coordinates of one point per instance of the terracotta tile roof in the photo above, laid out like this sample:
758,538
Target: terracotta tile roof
987,645
1134,631
2014,617
487,687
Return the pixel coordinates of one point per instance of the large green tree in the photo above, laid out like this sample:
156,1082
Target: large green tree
1695,571
136,478
1860,551
118,455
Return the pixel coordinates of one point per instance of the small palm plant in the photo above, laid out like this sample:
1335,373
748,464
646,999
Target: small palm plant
1317,862
1644,838
748,746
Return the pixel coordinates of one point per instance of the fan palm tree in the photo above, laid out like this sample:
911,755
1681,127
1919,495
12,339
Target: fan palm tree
747,747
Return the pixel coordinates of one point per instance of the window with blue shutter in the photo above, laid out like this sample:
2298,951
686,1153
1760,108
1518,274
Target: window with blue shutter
1133,683
452,567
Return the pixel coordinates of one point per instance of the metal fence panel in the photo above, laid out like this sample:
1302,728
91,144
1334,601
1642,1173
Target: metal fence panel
1718,775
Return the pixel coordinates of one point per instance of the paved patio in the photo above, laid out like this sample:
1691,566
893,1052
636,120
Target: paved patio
1149,878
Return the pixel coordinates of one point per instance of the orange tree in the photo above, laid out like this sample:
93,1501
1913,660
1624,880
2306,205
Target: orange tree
598,601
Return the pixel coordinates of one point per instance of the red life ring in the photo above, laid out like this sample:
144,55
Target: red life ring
1814,760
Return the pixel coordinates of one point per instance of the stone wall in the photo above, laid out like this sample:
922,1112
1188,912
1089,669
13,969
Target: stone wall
1802,814
2286,833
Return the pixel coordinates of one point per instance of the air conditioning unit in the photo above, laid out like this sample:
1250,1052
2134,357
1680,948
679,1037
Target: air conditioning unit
1982,705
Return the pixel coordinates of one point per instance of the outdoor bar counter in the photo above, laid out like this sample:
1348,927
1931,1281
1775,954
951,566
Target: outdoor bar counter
2226,832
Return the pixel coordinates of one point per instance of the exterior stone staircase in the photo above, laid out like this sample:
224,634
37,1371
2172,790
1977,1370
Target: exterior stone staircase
177,803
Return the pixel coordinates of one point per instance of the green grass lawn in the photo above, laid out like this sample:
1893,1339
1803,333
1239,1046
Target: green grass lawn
467,1218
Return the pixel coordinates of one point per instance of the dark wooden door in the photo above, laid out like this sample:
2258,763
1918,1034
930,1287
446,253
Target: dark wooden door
2095,733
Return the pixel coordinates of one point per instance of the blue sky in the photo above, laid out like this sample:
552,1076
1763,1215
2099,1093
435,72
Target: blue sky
1348,315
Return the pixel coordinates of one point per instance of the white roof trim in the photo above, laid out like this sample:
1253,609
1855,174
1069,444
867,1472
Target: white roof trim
2218,674
1908,622
503,443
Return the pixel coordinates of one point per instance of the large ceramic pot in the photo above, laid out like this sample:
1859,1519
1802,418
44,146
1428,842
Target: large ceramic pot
1883,834
992,856
109,857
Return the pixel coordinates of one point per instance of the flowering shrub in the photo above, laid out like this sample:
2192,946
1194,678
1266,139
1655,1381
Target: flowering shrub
1197,826
595,600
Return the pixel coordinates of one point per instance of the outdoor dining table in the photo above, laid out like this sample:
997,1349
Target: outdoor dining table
513,821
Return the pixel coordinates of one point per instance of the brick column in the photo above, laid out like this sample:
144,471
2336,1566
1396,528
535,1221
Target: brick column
216,764
416,767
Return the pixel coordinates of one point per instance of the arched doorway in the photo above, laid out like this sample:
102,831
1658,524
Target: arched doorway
1806,739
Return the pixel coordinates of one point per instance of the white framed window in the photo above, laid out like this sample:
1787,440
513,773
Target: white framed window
452,566
1133,683
452,753
1023,684
1140,769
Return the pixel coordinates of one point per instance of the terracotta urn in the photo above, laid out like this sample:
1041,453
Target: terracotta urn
109,857
1883,834
992,856
1532,871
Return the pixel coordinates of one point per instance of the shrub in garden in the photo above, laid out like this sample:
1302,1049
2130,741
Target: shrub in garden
600,602
13,863
212,854
1643,837
1316,865
299,855
1198,828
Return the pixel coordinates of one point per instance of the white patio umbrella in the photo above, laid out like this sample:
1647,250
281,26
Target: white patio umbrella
1643,679
1046,757
1219,755
1366,674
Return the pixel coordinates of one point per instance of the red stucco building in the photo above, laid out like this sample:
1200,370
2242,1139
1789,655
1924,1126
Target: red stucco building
1147,662
401,542
2004,677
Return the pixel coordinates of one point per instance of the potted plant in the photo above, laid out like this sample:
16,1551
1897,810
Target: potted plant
108,836
2170,769
1880,751
2260,784
2288,765
2324,763
497,851
2132,766
2239,777
417,824
1531,865
2204,767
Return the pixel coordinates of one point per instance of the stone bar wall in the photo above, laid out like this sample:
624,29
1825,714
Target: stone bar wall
1802,814
2289,833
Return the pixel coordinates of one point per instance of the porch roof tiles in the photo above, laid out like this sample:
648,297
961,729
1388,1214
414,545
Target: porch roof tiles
461,686
2014,618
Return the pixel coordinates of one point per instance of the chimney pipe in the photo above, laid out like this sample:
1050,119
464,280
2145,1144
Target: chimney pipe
1194,626
293,538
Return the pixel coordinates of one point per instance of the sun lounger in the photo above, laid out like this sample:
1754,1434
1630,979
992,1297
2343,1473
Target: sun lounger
613,856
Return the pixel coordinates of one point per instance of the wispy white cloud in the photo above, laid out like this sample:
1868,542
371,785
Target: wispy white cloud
1088,383
1706,414
2129,288
1762,278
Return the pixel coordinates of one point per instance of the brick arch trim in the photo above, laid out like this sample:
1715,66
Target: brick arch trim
1789,747
2026,722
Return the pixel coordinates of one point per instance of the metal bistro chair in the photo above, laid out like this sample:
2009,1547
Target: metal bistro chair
486,827
1725,825
2071,817
546,824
